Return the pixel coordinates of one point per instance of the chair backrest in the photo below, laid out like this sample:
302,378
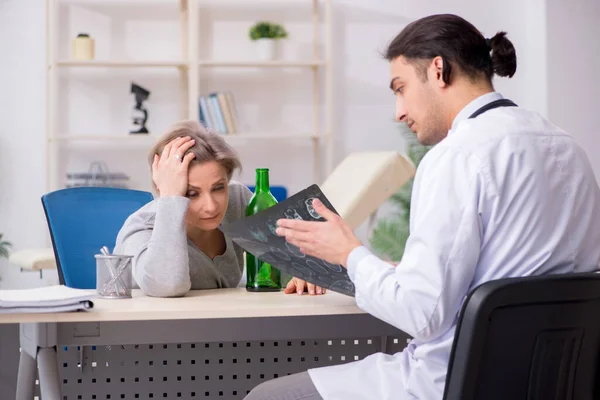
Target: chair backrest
83,219
534,338
279,192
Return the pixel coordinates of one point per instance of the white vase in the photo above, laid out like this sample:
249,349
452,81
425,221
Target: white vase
266,49
83,47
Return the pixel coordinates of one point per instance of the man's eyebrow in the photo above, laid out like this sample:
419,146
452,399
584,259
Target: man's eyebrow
392,82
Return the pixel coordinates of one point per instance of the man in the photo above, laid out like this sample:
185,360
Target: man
504,193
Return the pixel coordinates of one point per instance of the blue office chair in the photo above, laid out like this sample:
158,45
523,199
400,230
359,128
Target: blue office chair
83,219
279,192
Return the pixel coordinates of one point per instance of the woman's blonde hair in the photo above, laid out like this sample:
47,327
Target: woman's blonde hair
209,146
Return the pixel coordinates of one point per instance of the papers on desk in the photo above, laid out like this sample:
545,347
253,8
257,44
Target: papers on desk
47,299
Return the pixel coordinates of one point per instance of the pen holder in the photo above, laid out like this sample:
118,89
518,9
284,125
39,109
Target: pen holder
113,276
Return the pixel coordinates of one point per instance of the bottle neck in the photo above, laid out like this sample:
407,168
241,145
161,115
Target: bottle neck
262,180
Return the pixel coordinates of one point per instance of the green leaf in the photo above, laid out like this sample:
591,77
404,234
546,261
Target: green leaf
4,247
401,199
389,238
267,30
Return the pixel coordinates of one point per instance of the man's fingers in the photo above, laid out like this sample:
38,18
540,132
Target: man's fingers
324,211
304,248
301,236
297,225
311,288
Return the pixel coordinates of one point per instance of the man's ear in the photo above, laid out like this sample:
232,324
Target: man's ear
436,71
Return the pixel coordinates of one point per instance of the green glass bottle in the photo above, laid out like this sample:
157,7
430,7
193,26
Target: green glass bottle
261,277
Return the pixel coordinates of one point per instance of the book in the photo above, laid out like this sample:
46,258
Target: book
205,116
57,298
222,97
211,119
216,107
232,111
216,111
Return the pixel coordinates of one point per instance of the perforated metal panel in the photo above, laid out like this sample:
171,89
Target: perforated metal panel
227,370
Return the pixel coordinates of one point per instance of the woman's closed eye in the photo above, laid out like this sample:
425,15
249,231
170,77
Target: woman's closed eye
218,188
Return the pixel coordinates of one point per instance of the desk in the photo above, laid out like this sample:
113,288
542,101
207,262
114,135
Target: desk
209,344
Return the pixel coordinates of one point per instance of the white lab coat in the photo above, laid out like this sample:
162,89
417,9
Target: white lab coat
505,194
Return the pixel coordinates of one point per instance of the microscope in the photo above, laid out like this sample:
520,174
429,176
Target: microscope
139,112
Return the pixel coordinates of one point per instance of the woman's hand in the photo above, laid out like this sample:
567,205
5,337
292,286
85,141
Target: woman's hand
296,285
170,169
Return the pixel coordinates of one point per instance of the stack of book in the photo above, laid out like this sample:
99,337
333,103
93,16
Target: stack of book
217,112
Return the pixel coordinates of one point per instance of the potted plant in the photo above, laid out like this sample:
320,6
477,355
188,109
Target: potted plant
266,34
4,246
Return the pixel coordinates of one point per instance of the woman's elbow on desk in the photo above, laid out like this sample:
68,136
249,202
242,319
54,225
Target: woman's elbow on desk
164,289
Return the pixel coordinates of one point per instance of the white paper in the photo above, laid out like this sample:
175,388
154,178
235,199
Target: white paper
82,305
49,296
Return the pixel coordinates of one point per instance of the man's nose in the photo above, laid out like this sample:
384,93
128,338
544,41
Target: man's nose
401,113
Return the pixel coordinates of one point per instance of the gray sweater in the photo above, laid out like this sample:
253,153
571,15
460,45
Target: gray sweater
166,262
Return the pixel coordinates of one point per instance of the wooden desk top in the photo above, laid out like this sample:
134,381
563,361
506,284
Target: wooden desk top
201,304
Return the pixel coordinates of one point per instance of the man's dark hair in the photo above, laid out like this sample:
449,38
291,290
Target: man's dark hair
459,44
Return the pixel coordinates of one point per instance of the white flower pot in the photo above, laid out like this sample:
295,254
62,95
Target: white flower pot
266,49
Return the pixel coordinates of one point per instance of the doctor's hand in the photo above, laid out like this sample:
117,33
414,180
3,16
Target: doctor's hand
296,285
332,240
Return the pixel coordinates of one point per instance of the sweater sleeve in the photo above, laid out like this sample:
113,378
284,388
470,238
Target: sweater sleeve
158,242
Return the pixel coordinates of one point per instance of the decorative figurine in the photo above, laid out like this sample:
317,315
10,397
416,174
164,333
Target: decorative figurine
139,113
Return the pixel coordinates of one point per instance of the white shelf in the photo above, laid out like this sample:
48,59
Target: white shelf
267,64
189,65
120,64
145,138
234,137
179,64
104,138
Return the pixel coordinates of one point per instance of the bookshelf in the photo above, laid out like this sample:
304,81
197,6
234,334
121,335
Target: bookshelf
121,64
189,67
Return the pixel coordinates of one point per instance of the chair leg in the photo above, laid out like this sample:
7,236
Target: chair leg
26,376
48,370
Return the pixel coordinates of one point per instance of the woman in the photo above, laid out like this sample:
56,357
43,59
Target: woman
174,239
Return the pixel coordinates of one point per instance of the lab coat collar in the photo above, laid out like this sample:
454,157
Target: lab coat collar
473,106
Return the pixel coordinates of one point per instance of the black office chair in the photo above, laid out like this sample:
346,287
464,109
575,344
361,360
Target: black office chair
533,338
